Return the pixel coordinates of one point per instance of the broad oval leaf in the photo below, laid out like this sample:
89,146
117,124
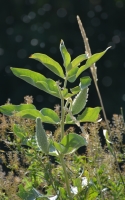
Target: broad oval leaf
76,62
79,101
60,148
37,80
71,143
89,115
50,115
49,63
33,114
10,109
66,56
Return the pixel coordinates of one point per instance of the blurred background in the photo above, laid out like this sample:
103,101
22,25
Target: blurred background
37,26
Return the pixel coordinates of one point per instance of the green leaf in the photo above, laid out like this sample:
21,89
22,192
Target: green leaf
94,58
89,115
41,136
52,150
44,116
79,101
65,93
91,193
31,194
29,113
85,82
66,56
68,119
72,74
75,90
76,62
70,143
50,115
9,109
49,63
18,131
60,148
37,80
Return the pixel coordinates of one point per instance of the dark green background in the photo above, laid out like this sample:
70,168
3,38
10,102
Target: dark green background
30,26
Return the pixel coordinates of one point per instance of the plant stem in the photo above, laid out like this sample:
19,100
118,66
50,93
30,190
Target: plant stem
62,117
66,176
92,68
62,111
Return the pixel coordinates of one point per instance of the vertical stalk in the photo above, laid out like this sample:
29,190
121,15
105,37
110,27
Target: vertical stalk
66,176
62,112
94,75
62,117
93,69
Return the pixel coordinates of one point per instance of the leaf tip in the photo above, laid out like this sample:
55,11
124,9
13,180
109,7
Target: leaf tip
108,48
61,42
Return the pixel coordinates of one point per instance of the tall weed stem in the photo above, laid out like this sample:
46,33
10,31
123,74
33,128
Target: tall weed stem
94,75
93,69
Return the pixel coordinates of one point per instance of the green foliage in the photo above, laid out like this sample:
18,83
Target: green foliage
70,176
9,109
41,136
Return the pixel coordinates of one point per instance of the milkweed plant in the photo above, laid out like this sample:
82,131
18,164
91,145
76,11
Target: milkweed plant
60,171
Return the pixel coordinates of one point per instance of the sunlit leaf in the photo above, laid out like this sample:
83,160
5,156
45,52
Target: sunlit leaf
37,80
33,114
49,63
41,136
72,74
60,148
76,62
79,101
89,115
65,93
94,58
70,143
9,109
52,150
50,115
66,56
75,90
85,82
